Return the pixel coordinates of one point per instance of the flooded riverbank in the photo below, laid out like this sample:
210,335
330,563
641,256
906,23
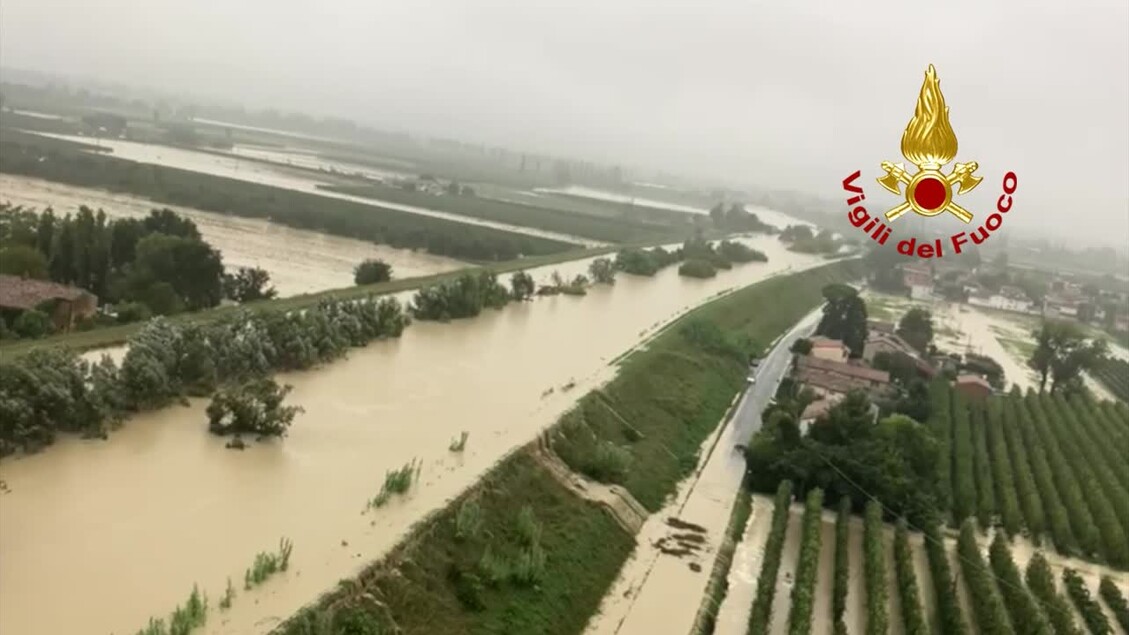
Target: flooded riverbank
122,529
299,261
279,175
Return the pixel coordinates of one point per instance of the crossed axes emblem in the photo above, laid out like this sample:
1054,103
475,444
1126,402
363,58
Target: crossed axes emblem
961,176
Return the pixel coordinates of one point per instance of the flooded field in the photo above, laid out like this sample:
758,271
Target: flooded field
299,261
1003,336
616,197
243,169
312,161
769,216
123,529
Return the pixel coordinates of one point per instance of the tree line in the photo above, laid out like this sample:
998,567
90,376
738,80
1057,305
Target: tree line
49,391
154,265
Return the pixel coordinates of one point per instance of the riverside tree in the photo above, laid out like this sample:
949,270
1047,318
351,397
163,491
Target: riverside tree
522,286
248,284
252,408
372,271
602,271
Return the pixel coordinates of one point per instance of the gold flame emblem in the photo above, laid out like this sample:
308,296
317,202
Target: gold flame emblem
929,143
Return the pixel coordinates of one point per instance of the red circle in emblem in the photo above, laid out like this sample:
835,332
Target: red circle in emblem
929,193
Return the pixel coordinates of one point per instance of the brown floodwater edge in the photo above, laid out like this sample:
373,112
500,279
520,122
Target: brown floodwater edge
80,341
110,336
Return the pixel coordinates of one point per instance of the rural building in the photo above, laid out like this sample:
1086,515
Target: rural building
826,377
891,343
1061,306
66,305
973,386
919,280
1008,299
826,348
885,342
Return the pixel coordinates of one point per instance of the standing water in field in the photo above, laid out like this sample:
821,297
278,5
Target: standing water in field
121,529
298,261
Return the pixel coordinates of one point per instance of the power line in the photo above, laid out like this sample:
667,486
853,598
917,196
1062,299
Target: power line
925,536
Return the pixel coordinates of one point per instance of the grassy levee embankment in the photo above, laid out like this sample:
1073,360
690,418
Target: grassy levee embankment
477,567
540,217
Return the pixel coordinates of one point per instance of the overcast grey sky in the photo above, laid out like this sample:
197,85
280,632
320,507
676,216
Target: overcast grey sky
790,95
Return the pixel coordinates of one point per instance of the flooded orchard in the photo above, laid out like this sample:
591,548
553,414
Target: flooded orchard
122,529
299,261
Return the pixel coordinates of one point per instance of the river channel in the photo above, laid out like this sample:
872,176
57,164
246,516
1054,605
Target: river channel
116,531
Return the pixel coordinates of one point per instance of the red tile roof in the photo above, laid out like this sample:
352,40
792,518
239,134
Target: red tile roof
25,293
843,368
826,342
973,379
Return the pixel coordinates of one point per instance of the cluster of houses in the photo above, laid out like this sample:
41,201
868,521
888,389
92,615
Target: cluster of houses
831,374
1066,298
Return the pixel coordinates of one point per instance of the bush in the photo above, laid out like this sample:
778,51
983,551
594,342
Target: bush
248,284
739,252
602,271
371,272
462,297
697,269
253,408
32,324
132,312
645,262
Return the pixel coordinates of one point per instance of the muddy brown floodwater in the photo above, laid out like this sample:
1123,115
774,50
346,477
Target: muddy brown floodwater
116,531
279,175
298,261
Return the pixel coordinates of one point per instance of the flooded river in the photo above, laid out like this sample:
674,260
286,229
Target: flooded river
243,169
299,261
120,530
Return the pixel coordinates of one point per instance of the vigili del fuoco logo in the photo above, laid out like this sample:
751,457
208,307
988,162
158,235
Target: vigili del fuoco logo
929,143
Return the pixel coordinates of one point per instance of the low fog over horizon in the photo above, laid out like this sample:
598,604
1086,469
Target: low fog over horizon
774,96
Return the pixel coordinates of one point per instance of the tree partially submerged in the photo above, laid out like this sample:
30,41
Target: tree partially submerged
252,408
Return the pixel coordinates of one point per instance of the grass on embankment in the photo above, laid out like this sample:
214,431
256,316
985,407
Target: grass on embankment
673,394
669,396
420,583
541,217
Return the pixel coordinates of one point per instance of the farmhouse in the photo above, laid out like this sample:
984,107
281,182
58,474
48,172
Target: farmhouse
64,304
